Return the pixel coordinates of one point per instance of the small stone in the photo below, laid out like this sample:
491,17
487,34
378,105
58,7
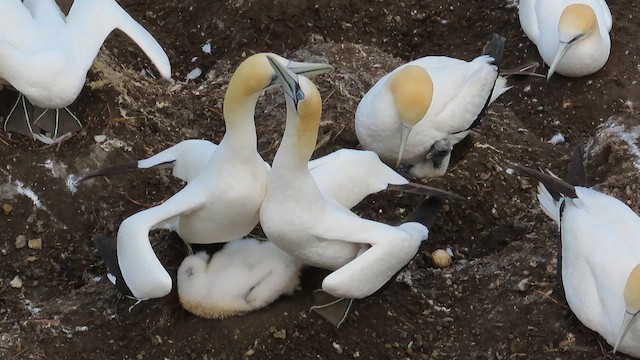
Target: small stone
7,208
338,347
356,354
21,241
16,283
35,244
249,352
280,334
441,258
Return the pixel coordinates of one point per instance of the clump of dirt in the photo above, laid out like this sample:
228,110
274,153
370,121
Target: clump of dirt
498,300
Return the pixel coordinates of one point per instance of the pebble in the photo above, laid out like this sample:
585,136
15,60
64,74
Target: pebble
16,283
21,241
338,347
7,208
35,244
280,334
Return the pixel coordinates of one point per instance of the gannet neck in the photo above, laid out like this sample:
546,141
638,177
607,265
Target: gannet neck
245,87
90,22
412,89
301,132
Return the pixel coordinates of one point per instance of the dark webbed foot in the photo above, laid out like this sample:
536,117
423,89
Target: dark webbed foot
333,309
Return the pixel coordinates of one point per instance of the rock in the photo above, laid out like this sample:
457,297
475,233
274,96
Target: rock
16,283
21,241
280,334
7,208
35,244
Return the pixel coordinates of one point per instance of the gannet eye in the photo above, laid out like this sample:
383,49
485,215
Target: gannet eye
299,95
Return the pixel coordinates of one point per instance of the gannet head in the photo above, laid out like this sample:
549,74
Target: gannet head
631,304
577,21
412,90
255,74
305,98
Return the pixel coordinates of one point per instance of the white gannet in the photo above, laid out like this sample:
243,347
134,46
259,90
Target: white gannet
416,113
221,203
600,254
246,275
572,36
314,228
45,56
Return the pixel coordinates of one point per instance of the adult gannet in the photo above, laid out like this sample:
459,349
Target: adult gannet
314,228
600,254
45,56
572,36
416,113
221,203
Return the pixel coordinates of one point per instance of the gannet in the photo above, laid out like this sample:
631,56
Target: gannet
415,114
600,254
572,36
314,228
45,56
221,203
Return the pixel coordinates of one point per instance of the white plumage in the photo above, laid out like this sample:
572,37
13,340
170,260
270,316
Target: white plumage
45,55
600,238
572,36
416,113
317,230
245,275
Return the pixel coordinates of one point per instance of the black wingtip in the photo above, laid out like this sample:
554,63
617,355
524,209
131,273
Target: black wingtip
576,172
557,187
427,212
107,250
111,170
495,48
426,190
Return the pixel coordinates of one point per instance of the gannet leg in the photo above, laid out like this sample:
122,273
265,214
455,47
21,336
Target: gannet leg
57,121
335,310
20,113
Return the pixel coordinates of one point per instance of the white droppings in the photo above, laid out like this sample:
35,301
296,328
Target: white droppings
405,277
56,169
527,88
72,183
206,48
510,171
82,328
100,138
109,144
22,190
556,139
194,74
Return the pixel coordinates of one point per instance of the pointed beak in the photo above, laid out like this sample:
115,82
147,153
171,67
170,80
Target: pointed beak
308,69
406,130
628,320
562,49
286,78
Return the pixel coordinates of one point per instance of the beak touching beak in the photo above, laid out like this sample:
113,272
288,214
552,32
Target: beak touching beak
562,49
627,322
308,69
287,78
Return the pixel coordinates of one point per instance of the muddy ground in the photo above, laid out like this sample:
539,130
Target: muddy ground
499,299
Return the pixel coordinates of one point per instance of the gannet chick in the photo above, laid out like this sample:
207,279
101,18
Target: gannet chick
600,254
222,202
45,56
245,275
415,114
572,36
315,229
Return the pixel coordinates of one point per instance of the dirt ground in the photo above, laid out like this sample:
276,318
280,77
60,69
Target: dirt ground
499,299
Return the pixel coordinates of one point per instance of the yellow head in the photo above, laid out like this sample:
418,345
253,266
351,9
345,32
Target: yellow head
576,21
412,90
631,304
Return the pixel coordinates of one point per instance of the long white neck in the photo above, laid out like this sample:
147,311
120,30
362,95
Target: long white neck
239,108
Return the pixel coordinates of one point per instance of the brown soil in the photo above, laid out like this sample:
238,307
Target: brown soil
499,300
